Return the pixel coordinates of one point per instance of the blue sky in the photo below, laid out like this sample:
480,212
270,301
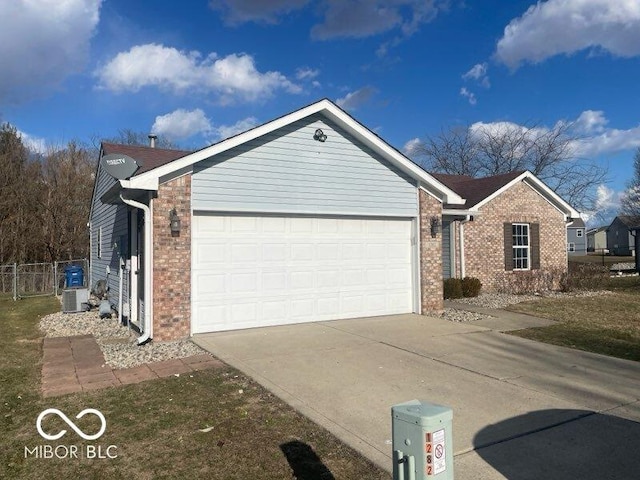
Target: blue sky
199,71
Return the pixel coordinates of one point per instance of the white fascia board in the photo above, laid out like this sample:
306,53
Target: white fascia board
137,183
149,180
459,212
545,192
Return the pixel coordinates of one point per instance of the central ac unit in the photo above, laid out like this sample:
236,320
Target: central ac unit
75,300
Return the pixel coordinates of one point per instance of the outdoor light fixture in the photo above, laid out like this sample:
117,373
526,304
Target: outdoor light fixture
435,226
174,221
319,135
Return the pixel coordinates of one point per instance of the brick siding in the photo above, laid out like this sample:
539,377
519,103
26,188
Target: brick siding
172,262
484,237
430,255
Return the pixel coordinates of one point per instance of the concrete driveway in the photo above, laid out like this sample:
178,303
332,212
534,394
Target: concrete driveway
521,409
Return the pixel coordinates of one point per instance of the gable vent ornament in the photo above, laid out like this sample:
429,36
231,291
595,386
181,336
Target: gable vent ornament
319,135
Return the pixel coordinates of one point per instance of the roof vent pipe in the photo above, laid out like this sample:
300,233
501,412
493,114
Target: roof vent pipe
152,140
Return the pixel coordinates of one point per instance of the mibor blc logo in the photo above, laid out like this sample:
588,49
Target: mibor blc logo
65,452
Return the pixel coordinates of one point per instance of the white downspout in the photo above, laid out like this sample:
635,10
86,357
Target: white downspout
121,273
147,332
467,218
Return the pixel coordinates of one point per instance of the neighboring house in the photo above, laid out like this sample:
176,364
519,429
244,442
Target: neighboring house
576,237
510,223
620,239
308,217
597,240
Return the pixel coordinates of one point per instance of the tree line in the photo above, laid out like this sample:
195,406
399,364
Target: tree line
45,198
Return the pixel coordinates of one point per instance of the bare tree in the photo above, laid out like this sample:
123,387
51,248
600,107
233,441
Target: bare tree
484,150
630,202
127,136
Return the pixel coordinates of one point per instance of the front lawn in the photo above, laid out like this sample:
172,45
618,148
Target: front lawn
214,424
600,259
607,324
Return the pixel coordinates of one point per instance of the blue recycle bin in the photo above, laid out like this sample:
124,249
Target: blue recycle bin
74,276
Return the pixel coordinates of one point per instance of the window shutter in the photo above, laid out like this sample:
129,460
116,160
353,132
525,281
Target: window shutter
508,247
535,245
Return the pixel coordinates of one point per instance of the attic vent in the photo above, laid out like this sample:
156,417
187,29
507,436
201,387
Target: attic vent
152,140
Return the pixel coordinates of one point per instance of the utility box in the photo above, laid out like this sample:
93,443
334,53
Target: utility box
422,441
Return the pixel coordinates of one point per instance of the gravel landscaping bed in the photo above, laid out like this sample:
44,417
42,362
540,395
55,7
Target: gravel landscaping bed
503,300
117,342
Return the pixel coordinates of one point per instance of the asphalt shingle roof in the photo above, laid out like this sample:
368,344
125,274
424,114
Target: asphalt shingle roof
149,157
474,190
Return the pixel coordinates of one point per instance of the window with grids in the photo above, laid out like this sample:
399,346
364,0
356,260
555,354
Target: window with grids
521,246
579,232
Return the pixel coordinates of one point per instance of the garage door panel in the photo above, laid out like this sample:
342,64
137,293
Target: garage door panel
258,271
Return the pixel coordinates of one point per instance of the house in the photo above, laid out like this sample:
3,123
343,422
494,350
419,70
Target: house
308,217
576,237
620,238
597,240
510,224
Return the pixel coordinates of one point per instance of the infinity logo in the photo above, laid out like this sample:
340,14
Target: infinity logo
70,423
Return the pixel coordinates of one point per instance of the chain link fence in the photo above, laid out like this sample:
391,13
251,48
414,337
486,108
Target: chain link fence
36,279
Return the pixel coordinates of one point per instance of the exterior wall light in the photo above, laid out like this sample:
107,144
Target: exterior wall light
174,222
319,135
435,226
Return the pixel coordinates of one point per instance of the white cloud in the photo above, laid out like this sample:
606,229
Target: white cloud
181,124
592,136
42,42
232,77
606,198
306,73
260,11
558,27
354,100
33,143
226,131
591,121
411,146
478,73
468,95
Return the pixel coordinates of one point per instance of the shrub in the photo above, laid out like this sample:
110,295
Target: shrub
471,286
530,281
452,288
584,276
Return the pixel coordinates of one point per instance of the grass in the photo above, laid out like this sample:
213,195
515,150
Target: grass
156,425
606,324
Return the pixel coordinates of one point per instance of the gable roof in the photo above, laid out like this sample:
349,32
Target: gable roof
476,189
148,157
629,221
150,179
479,191
577,223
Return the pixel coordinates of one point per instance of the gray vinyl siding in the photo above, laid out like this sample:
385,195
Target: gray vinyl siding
113,220
287,171
580,243
446,248
619,239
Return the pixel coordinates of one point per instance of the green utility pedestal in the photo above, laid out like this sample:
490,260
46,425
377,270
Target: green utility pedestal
422,441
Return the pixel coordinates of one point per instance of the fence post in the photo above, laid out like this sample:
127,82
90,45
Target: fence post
15,281
55,278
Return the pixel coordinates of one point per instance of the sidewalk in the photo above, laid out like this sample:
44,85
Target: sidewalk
76,364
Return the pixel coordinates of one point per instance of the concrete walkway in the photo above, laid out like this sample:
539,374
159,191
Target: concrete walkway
76,364
522,409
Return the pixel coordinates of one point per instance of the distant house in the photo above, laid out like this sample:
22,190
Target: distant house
510,224
576,238
597,240
620,239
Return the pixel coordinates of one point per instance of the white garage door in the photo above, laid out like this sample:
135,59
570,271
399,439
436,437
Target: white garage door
259,271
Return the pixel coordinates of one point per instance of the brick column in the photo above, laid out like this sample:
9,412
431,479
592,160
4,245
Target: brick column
172,262
430,255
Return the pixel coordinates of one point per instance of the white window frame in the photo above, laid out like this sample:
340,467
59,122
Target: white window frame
524,247
572,247
579,232
99,243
